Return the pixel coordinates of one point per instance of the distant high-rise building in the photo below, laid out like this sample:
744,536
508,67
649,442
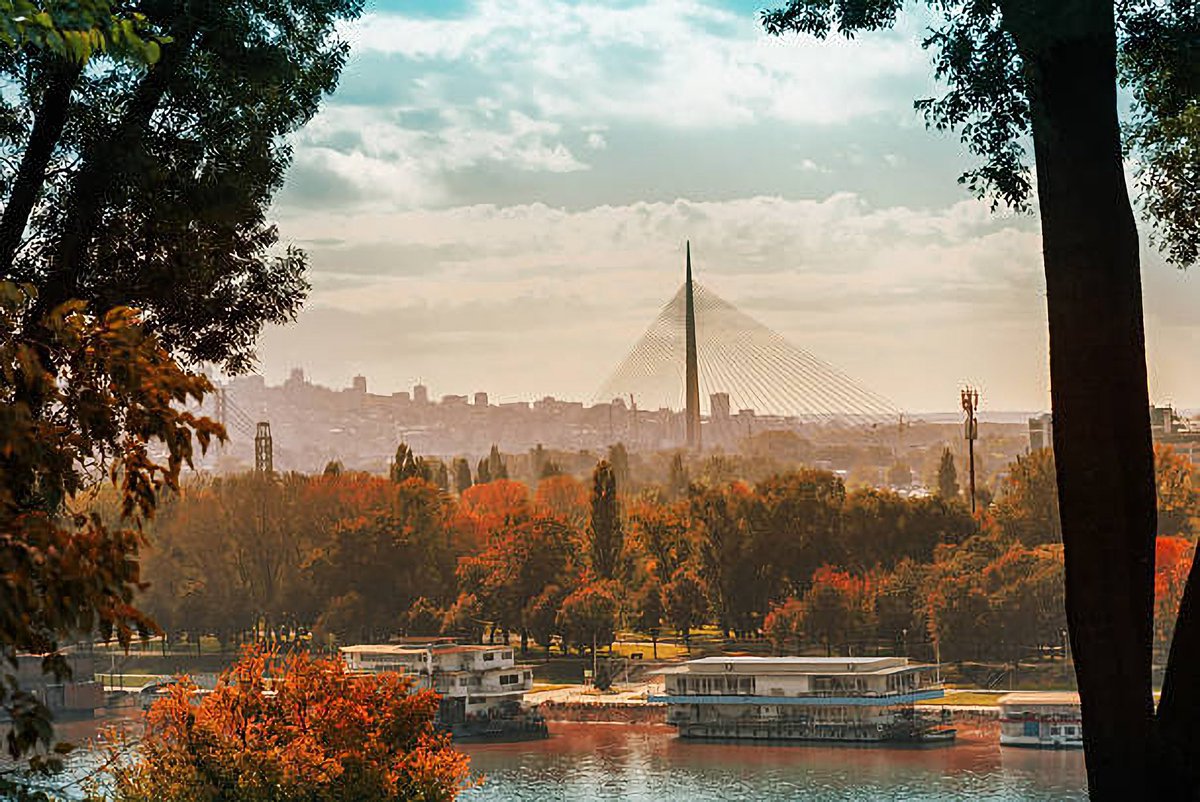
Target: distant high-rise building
295,379
401,396
359,385
454,400
718,405
1041,432
420,394
481,399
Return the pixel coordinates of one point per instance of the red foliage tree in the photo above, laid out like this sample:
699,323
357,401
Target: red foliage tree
293,728
1172,564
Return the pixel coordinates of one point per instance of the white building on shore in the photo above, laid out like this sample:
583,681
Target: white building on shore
803,698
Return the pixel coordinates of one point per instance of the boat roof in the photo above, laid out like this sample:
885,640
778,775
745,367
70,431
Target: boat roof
825,666
405,649
1041,698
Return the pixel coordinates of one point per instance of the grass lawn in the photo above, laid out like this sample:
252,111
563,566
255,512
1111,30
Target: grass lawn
666,651
128,680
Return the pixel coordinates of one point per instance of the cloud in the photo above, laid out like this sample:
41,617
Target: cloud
502,90
673,62
542,299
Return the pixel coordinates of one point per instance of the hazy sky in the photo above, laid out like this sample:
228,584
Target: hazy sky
497,197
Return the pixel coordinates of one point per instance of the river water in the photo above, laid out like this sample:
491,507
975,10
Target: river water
586,762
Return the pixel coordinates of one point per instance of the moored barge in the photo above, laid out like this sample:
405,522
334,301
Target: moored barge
845,699
482,687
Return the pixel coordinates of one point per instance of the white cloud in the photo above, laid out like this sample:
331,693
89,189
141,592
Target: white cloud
673,62
906,300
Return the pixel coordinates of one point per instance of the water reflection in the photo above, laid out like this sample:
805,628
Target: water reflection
639,763
584,762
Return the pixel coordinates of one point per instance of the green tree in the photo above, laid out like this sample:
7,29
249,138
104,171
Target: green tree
462,475
650,612
389,556
483,473
899,607
542,616
464,619
438,474
900,475
407,465
1028,506
1049,69
802,527
588,617
836,608
685,602
784,626
606,536
732,556
497,469
947,476
678,480
618,458
661,532
520,561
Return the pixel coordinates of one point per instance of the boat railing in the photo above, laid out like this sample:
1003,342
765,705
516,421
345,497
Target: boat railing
821,694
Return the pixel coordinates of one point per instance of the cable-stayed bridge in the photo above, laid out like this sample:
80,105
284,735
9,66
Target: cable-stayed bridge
753,380
700,342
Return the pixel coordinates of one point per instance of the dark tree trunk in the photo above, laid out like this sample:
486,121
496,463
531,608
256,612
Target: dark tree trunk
1179,706
1102,446
31,174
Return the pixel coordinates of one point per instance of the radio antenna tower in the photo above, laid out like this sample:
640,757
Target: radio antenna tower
970,405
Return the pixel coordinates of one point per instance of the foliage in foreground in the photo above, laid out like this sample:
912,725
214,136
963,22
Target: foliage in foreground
292,728
88,398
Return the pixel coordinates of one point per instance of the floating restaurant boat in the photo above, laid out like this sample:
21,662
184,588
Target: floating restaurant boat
482,687
1042,720
860,699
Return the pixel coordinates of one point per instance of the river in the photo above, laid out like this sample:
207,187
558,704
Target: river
586,762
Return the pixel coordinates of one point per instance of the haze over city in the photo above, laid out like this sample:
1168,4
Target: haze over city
499,187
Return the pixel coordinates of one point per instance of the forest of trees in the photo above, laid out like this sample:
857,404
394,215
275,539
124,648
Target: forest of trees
795,558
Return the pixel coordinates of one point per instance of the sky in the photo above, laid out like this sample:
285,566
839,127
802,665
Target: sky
497,197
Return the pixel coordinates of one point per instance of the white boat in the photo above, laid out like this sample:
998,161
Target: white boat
1041,719
863,699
